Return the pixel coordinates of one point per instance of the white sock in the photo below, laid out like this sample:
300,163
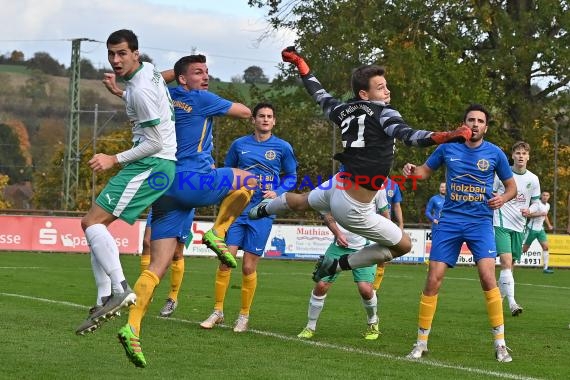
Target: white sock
507,285
316,304
278,205
423,332
107,254
369,255
545,257
497,331
102,281
371,308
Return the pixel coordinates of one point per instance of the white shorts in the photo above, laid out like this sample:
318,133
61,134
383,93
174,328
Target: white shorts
357,217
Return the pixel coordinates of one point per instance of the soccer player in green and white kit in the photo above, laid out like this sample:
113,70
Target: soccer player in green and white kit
147,169
346,242
535,230
509,221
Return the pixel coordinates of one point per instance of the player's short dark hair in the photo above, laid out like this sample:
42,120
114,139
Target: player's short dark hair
477,107
124,35
181,65
261,105
520,145
361,77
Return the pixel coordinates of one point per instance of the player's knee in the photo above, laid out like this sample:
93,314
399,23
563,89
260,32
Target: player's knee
146,244
250,183
321,288
247,269
488,281
366,292
433,283
244,179
178,252
224,268
298,202
404,246
86,222
506,260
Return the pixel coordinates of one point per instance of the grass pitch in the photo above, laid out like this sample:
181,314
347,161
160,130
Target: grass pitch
43,297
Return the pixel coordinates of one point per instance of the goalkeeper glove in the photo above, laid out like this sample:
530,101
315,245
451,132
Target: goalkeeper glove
289,54
460,135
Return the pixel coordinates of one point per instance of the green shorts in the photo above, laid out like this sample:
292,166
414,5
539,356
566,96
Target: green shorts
533,234
366,274
135,187
509,241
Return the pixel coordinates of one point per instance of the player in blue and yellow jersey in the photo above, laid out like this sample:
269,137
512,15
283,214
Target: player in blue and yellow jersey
196,183
467,216
435,204
273,163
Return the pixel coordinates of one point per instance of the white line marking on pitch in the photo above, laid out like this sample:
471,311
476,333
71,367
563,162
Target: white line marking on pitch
352,350
446,278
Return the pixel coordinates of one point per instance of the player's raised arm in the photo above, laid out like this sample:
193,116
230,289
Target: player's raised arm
312,84
395,126
239,111
168,75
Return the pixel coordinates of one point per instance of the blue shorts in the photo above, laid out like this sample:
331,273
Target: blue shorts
173,212
447,239
250,235
169,222
192,189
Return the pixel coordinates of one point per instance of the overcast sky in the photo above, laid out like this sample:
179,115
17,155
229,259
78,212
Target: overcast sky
226,31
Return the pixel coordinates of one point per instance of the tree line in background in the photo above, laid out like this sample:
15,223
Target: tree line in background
45,63
440,56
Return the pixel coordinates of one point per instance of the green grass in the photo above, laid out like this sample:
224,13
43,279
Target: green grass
18,69
43,297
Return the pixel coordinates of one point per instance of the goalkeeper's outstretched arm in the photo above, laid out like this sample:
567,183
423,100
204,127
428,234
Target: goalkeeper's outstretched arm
311,83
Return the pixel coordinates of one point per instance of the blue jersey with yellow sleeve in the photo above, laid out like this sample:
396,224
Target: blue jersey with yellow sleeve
194,111
266,160
469,177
